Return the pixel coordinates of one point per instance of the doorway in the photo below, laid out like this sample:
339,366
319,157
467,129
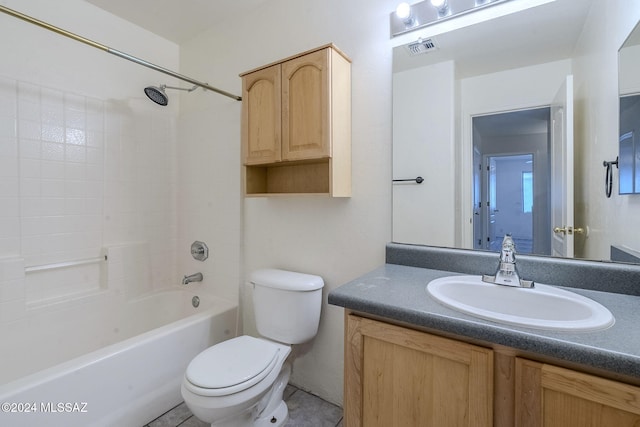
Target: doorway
512,180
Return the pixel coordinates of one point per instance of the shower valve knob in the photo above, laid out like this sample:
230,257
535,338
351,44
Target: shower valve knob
199,251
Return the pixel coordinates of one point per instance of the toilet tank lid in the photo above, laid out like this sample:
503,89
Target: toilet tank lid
286,280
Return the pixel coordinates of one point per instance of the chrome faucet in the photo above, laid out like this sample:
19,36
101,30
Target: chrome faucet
507,273
197,277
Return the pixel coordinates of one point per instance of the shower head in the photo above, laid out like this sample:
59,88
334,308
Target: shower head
159,96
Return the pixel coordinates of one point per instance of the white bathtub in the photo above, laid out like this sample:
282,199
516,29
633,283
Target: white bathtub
127,383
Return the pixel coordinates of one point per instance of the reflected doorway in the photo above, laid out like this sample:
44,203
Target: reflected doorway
512,180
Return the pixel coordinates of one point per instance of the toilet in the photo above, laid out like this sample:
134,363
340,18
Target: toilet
240,382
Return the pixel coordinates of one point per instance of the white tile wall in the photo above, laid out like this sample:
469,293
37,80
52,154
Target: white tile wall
78,174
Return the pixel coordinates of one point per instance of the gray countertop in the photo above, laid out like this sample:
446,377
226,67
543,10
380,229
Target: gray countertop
398,293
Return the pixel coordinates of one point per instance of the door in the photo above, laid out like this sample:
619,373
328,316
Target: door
515,148
562,171
306,106
509,201
478,216
550,396
261,116
398,377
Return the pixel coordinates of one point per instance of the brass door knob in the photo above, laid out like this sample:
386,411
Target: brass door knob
559,230
568,230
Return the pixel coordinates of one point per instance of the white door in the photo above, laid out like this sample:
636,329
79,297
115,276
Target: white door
562,171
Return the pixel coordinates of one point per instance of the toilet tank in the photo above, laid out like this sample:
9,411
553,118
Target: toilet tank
286,304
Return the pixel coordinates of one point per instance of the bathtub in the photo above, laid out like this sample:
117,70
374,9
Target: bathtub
127,383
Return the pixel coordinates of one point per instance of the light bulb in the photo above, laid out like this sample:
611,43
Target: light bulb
403,11
438,3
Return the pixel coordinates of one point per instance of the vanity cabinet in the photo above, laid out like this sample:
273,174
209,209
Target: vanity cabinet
399,376
550,396
395,376
296,125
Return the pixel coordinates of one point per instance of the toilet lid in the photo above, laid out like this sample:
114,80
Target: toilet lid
231,363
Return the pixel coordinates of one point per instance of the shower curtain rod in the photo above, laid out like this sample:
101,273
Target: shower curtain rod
115,52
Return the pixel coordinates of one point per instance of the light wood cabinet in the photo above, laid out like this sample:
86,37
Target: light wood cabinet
396,376
550,396
261,115
296,125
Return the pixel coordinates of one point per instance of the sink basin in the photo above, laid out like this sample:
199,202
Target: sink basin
541,307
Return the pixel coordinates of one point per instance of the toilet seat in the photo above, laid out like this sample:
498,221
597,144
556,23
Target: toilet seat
231,366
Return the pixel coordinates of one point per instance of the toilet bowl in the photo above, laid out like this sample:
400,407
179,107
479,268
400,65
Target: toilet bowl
225,384
240,382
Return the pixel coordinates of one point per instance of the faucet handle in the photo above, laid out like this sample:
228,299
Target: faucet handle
508,252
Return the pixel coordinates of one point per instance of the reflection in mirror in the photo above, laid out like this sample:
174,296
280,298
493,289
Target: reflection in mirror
629,83
505,66
511,169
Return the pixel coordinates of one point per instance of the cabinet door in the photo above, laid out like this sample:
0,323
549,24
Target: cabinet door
551,396
305,106
396,376
261,116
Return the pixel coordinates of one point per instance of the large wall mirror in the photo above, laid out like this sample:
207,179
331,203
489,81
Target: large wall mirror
629,82
508,123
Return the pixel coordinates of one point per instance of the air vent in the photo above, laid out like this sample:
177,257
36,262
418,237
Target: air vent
421,46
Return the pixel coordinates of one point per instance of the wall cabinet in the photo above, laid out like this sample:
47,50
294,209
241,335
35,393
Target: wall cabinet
296,125
397,376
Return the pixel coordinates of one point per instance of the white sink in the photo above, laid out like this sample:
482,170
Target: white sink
542,307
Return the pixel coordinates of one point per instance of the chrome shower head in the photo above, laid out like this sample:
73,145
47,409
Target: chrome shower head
157,95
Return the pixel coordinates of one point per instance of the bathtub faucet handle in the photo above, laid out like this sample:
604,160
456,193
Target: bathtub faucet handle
199,250
197,277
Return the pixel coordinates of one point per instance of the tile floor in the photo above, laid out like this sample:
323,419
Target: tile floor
305,410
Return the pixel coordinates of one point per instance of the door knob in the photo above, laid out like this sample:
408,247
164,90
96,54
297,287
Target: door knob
568,230
559,230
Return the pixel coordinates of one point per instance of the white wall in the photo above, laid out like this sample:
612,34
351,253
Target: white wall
596,84
338,239
423,120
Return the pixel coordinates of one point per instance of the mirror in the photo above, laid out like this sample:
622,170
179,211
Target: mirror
517,62
629,134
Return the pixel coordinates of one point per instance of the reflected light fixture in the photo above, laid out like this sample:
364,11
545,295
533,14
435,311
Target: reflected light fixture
442,6
403,11
409,17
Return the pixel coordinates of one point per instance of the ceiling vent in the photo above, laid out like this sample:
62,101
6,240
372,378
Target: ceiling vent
421,46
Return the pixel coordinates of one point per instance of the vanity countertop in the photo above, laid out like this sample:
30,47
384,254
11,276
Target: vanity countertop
398,293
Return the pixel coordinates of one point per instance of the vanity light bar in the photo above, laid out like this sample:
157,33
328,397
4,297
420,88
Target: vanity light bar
408,18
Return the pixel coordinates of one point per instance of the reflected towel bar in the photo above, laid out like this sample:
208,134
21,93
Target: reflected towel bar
417,180
64,264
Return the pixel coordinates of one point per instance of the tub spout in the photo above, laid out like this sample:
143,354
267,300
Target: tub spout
192,278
